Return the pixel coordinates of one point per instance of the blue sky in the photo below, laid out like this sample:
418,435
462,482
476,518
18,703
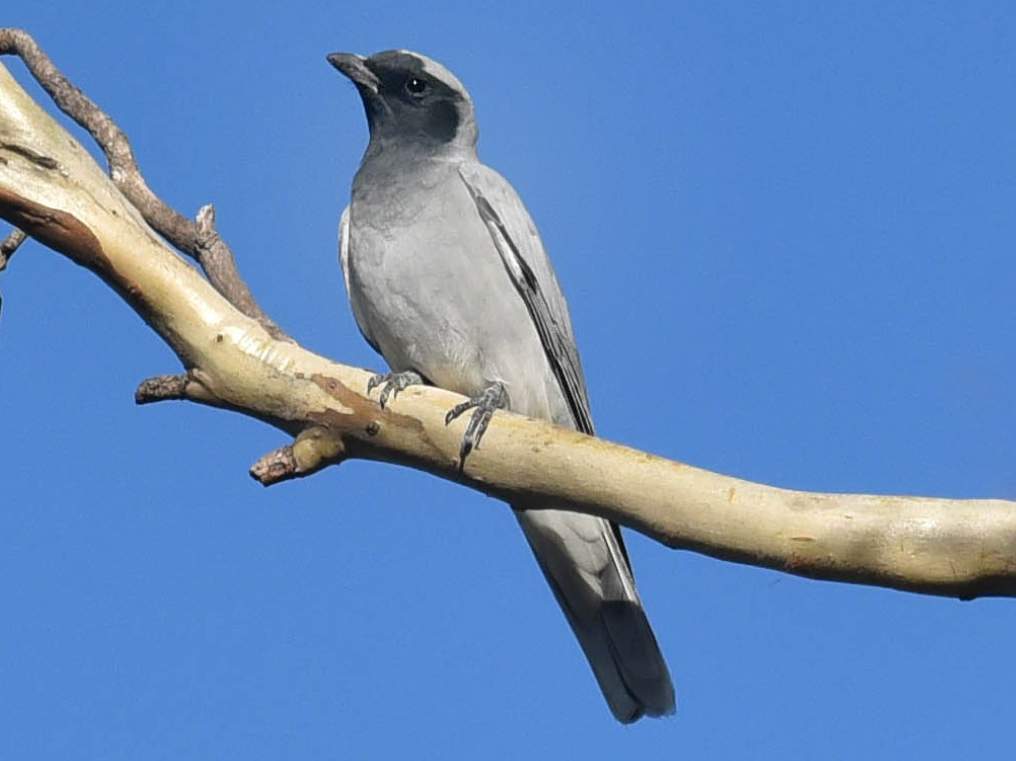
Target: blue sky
786,233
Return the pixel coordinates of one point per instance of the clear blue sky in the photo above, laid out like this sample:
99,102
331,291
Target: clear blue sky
800,215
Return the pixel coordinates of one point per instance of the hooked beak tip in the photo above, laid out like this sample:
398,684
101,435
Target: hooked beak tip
355,67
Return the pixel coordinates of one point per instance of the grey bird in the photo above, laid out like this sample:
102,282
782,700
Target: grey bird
449,282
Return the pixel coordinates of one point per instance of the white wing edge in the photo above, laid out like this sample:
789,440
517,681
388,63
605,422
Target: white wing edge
344,247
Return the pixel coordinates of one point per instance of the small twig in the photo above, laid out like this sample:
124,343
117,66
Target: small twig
161,388
199,239
9,245
314,449
278,465
164,388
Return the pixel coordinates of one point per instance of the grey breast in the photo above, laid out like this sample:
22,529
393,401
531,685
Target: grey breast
433,292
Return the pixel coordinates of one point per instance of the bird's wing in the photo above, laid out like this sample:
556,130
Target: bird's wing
344,261
583,557
526,262
344,246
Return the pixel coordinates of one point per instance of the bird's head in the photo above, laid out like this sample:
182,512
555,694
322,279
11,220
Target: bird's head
411,100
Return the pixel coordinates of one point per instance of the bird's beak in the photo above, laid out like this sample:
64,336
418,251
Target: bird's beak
355,67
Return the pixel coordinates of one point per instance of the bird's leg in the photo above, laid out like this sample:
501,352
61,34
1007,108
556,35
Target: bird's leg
392,384
494,397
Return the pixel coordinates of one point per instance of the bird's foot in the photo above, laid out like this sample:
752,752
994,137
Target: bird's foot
392,384
493,398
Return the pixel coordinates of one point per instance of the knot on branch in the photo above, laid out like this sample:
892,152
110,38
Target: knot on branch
207,236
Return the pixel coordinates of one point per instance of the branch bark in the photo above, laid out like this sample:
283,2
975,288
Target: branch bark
51,189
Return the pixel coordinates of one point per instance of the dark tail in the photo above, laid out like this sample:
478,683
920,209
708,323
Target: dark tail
584,562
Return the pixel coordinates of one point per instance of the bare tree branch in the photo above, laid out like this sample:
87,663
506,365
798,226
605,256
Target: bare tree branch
51,189
198,239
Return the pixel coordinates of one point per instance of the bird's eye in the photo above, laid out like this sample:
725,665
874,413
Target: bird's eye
416,87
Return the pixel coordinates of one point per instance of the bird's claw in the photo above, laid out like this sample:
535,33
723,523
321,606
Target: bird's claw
392,384
493,398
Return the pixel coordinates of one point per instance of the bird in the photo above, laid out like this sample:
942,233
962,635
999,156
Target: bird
449,281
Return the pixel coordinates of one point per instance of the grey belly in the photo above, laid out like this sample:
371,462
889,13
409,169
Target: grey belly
435,297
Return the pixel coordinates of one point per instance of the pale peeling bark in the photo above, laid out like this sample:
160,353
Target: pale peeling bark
52,189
